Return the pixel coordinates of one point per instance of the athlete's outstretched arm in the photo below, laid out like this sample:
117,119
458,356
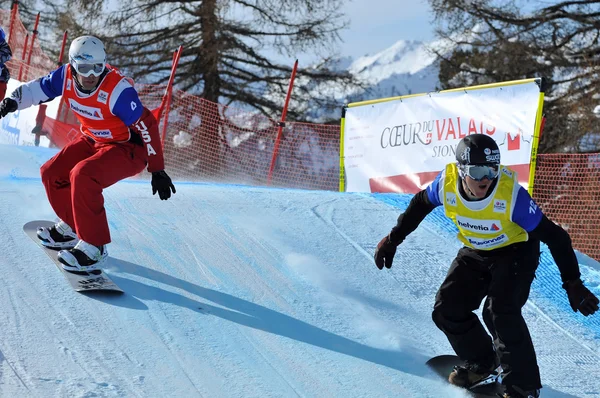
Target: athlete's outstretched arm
529,216
126,104
34,92
147,128
419,207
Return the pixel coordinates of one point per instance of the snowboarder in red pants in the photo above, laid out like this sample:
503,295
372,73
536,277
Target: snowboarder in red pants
119,137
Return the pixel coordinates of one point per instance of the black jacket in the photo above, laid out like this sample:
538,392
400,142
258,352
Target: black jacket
557,239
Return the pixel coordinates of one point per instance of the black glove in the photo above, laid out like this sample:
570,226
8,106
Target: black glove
162,184
8,105
580,297
384,254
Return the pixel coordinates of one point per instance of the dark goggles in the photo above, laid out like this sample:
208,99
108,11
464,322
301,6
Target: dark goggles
479,172
86,70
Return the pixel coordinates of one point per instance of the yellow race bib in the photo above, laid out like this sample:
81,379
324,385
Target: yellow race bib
484,224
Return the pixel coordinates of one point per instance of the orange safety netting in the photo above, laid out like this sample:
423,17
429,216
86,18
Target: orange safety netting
211,141
205,141
24,65
566,187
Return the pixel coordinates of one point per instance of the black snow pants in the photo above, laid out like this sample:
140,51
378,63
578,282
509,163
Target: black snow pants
503,277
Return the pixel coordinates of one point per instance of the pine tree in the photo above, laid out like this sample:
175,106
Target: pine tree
499,40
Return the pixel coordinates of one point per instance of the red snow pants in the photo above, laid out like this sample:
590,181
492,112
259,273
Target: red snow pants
2,90
75,177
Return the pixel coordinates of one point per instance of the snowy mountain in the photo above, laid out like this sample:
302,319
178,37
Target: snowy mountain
407,67
234,291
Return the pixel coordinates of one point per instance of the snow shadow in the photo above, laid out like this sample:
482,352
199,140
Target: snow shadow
256,316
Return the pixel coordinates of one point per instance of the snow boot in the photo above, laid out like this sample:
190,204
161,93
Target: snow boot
58,236
470,374
84,257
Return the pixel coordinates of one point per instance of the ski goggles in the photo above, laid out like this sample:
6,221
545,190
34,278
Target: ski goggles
479,172
86,70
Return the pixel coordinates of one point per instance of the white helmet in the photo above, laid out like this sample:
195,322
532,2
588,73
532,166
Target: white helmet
87,56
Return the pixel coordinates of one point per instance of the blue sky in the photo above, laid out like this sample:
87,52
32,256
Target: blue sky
377,24
373,25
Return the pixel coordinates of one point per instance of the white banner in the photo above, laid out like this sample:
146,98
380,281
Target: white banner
401,145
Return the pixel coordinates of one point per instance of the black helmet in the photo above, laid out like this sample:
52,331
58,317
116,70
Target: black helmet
478,149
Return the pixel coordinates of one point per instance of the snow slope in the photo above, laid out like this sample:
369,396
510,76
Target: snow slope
236,291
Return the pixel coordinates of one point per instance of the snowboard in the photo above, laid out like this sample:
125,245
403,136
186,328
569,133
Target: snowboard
93,281
490,387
